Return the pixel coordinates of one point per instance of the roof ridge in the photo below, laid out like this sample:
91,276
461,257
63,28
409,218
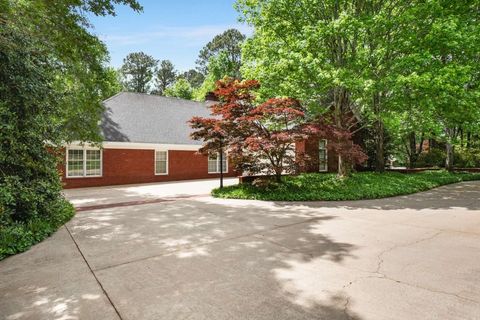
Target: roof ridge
114,96
156,96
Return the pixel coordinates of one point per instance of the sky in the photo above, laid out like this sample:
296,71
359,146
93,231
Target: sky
166,29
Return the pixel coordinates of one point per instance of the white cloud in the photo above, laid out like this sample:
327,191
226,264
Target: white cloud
190,35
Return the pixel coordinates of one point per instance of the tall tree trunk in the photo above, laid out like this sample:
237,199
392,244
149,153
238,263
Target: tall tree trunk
449,150
278,176
449,160
342,167
341,104
380,155
379,133
414,151
412,155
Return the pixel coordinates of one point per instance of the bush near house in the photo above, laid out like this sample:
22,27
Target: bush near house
19,236
467,158
362,185
463,158
433,158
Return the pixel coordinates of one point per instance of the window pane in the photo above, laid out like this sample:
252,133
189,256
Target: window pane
323,166
161,162
75,163
322,155
224,163
161,155
93,163
323,144
212,164
75,154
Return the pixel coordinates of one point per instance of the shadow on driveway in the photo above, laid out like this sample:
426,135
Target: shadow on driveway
205,258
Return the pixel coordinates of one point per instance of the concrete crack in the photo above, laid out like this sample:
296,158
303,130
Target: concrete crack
381,254
94,275
385,277
430,290
345,307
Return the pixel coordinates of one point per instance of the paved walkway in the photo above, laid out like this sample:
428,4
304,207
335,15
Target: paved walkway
412,257
148,192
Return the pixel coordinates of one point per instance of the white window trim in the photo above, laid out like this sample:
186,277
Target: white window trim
225,170
155,165
326,156
84,148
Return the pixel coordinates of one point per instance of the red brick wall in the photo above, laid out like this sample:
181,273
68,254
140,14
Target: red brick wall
310,148
126,166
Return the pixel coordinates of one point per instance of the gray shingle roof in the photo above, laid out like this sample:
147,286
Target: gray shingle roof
144,118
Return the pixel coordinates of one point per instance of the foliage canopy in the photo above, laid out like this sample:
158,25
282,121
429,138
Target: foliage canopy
53,79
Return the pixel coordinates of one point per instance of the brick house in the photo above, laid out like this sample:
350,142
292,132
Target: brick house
146,138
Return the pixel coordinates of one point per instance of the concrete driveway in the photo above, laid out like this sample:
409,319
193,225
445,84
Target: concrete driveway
412,257
87,198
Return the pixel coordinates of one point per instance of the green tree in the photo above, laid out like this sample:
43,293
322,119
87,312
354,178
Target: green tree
230,42
381,60
137,72
306,49
194,77
112,83
180,89
219,67
53,80
165,76
440,69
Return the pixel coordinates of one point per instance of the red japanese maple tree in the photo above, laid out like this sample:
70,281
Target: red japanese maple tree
340,141
260,138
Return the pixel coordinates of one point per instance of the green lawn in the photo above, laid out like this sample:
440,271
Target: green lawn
364,185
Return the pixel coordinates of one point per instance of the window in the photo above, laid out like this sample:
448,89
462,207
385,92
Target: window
84,162
322,155
161,162
93,163
214,163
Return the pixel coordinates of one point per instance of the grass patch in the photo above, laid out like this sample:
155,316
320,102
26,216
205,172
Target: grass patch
363,185
16,237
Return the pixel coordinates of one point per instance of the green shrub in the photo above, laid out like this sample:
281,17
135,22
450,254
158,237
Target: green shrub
433,158
18,236
466,158
362,185
32,111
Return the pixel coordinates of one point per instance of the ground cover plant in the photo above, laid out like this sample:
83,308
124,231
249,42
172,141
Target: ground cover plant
18,236
361,185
